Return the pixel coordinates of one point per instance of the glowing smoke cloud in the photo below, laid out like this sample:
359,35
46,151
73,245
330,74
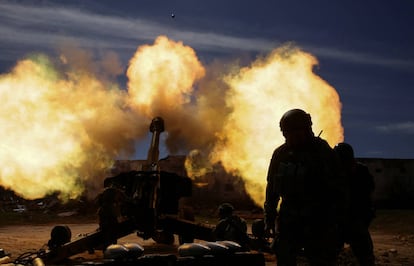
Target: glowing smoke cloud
60,131
161,83
230,118
63,126
259,95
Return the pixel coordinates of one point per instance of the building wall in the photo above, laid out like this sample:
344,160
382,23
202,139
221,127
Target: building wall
394,179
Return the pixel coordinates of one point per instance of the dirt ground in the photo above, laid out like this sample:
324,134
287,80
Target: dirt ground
392,232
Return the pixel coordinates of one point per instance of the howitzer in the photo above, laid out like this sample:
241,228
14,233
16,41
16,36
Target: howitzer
141,201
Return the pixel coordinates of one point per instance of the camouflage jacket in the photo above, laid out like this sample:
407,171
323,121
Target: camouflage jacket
309,181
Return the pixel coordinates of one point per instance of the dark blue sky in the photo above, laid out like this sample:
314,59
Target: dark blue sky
365,48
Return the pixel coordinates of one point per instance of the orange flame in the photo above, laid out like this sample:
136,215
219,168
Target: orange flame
259,95
233,117
161,77
58,131
61,130
161,82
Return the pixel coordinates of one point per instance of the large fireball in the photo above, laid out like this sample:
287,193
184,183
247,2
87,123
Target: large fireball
64,124
59,131
258,96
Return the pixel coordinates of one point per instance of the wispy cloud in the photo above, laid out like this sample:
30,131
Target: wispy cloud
400,128
28,26
45,25
362,58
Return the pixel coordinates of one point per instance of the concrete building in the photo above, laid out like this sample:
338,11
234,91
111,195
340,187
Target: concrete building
394,179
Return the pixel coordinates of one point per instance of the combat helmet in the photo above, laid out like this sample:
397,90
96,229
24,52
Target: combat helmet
344,151
295,119
225,210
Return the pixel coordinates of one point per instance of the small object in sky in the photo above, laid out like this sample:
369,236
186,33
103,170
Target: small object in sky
172,15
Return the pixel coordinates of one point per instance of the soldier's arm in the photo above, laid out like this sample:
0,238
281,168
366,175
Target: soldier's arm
272,195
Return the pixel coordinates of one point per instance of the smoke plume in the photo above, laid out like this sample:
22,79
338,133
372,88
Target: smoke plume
65,120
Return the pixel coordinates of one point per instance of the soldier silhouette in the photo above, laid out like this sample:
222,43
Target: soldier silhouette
304,177
362,211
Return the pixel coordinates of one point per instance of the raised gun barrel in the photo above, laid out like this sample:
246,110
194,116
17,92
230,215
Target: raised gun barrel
144,202
156,127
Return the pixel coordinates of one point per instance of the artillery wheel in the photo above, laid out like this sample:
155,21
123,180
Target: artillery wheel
59,236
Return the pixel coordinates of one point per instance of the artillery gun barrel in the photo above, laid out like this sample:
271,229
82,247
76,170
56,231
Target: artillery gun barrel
156,127
147,199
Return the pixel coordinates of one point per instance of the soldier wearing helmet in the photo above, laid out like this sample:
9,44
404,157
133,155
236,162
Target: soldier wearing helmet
230,226
304,178
296,126
362,211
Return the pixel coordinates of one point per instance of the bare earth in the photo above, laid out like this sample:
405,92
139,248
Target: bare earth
392,232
